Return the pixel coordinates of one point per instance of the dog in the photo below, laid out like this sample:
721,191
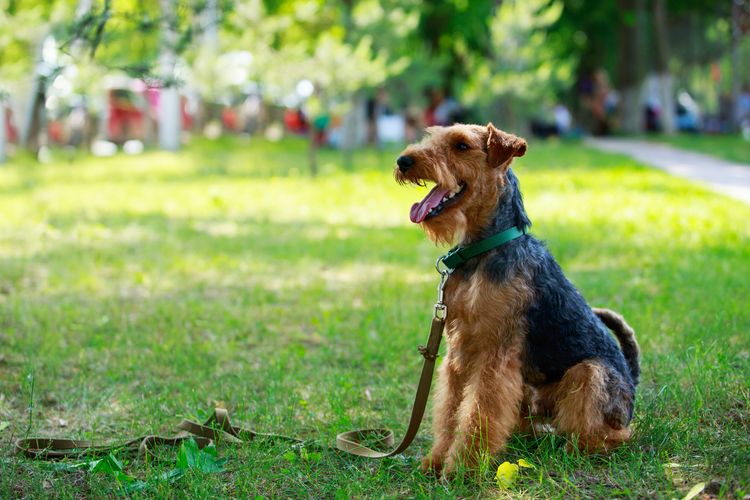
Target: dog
523,346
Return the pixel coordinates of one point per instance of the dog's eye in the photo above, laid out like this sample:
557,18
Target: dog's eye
462,146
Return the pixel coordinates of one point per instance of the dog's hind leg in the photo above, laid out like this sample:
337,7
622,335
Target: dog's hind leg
447,400
593,406
489,411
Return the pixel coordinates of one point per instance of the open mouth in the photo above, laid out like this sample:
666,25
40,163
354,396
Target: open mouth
435,202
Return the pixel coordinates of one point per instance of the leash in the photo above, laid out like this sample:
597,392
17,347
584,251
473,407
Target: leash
218,427
352,441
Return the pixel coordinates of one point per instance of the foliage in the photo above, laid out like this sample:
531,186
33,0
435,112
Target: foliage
141,289
23,26
317,41
522,67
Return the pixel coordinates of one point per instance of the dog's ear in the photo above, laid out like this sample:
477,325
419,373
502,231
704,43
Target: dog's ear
502,147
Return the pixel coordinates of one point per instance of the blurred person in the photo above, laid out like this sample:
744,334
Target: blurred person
448,111
603,103
229,119
429,112
125,117
376,107
412,126
443,110
185,115
563,118
743,103
598,101
725,113
77,122
295,121
251,110
556,122
744,111
11,133
688,113
652,114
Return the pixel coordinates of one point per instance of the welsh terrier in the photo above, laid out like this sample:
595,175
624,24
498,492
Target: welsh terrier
523,346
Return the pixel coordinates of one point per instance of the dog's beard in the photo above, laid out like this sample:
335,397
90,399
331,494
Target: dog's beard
449,228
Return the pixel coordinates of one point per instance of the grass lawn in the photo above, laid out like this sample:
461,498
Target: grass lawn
138,290
729,147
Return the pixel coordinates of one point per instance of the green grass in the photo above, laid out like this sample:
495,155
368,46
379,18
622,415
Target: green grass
729,147
138,290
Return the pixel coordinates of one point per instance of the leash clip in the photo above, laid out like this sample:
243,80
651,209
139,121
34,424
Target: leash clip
441,260
441,310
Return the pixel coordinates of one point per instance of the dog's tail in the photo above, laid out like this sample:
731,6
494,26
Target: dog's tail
625,336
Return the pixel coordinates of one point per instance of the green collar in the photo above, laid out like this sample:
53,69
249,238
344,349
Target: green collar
460,255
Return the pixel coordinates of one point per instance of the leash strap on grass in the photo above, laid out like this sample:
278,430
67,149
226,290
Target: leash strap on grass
218,428
358,442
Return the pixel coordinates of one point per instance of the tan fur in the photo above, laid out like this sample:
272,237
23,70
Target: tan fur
486,389
480,387
437,159
579,398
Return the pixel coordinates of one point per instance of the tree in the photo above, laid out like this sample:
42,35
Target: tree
664,76
520,69
326,43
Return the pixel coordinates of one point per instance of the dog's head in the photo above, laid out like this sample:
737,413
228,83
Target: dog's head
468,164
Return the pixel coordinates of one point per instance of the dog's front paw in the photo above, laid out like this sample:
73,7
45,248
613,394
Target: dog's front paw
432,464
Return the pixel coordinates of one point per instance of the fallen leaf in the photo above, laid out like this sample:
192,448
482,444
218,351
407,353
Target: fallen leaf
694,491
525,464
506,474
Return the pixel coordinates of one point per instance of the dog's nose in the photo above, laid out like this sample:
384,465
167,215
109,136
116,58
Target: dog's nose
404,163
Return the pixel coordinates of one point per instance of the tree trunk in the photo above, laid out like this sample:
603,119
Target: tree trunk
666,81
35,117
169,97
350,131
628,77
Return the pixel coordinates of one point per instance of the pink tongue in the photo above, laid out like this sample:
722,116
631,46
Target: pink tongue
420,210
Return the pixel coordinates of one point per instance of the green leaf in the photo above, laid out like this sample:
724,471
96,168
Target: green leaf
136,486
4,425
109,464
172,475
506,474
190,456
187,456
694,491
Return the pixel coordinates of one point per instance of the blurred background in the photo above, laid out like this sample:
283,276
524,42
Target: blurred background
109,75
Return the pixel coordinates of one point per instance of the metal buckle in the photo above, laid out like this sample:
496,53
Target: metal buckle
441,310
